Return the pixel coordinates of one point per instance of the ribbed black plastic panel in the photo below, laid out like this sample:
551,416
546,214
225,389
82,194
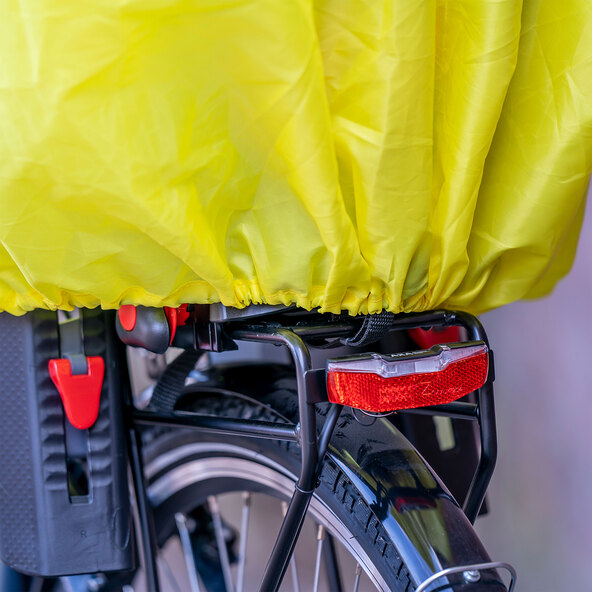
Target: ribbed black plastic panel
19,524
49,406
43,529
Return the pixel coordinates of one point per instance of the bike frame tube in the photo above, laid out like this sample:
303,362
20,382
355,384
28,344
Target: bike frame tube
145,519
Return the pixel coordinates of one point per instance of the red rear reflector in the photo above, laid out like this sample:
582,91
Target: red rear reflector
381,383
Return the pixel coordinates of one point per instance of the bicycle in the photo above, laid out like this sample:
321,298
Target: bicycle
256,431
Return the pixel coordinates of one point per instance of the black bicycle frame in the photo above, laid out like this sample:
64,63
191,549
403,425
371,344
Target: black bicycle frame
313,446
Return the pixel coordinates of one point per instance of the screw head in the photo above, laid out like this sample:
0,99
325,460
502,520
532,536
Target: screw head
471,576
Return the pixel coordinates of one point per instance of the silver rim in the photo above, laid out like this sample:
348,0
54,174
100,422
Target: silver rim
251,466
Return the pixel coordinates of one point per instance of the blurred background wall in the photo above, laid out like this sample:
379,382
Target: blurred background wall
541,495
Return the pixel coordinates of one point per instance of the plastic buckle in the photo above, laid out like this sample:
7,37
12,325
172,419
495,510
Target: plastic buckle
80,393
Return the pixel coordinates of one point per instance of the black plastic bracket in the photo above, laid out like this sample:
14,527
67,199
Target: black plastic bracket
316,385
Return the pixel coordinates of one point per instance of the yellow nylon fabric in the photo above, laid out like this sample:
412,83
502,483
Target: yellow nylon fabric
342,154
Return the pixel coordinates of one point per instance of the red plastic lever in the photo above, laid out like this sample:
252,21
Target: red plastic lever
128,315
176,317
81,393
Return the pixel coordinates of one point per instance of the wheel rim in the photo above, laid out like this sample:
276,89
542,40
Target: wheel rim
243,470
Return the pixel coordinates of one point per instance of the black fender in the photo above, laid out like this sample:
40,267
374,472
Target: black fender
424,521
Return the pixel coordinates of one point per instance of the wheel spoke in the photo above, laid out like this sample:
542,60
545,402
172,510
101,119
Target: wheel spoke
221,543
332,564
357,577
242,553
293,567
320,541
187,551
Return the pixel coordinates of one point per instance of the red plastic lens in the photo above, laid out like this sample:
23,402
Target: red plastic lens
364,390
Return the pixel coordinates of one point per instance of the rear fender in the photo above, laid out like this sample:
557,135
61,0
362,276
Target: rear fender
421,517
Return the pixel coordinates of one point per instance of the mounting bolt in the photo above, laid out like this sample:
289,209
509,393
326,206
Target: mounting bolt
472,576
298,432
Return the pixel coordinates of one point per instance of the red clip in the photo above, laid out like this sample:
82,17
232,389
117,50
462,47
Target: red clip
430,337
80,393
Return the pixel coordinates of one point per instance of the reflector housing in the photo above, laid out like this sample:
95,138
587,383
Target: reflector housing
377,382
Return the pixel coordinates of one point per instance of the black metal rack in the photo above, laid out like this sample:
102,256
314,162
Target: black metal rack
313,447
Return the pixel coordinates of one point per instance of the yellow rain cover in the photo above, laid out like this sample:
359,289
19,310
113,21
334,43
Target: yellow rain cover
342,154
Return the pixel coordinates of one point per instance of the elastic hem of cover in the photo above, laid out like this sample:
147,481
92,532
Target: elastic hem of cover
354,301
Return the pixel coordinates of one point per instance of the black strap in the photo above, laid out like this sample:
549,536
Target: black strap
374,327
70,331
169,386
